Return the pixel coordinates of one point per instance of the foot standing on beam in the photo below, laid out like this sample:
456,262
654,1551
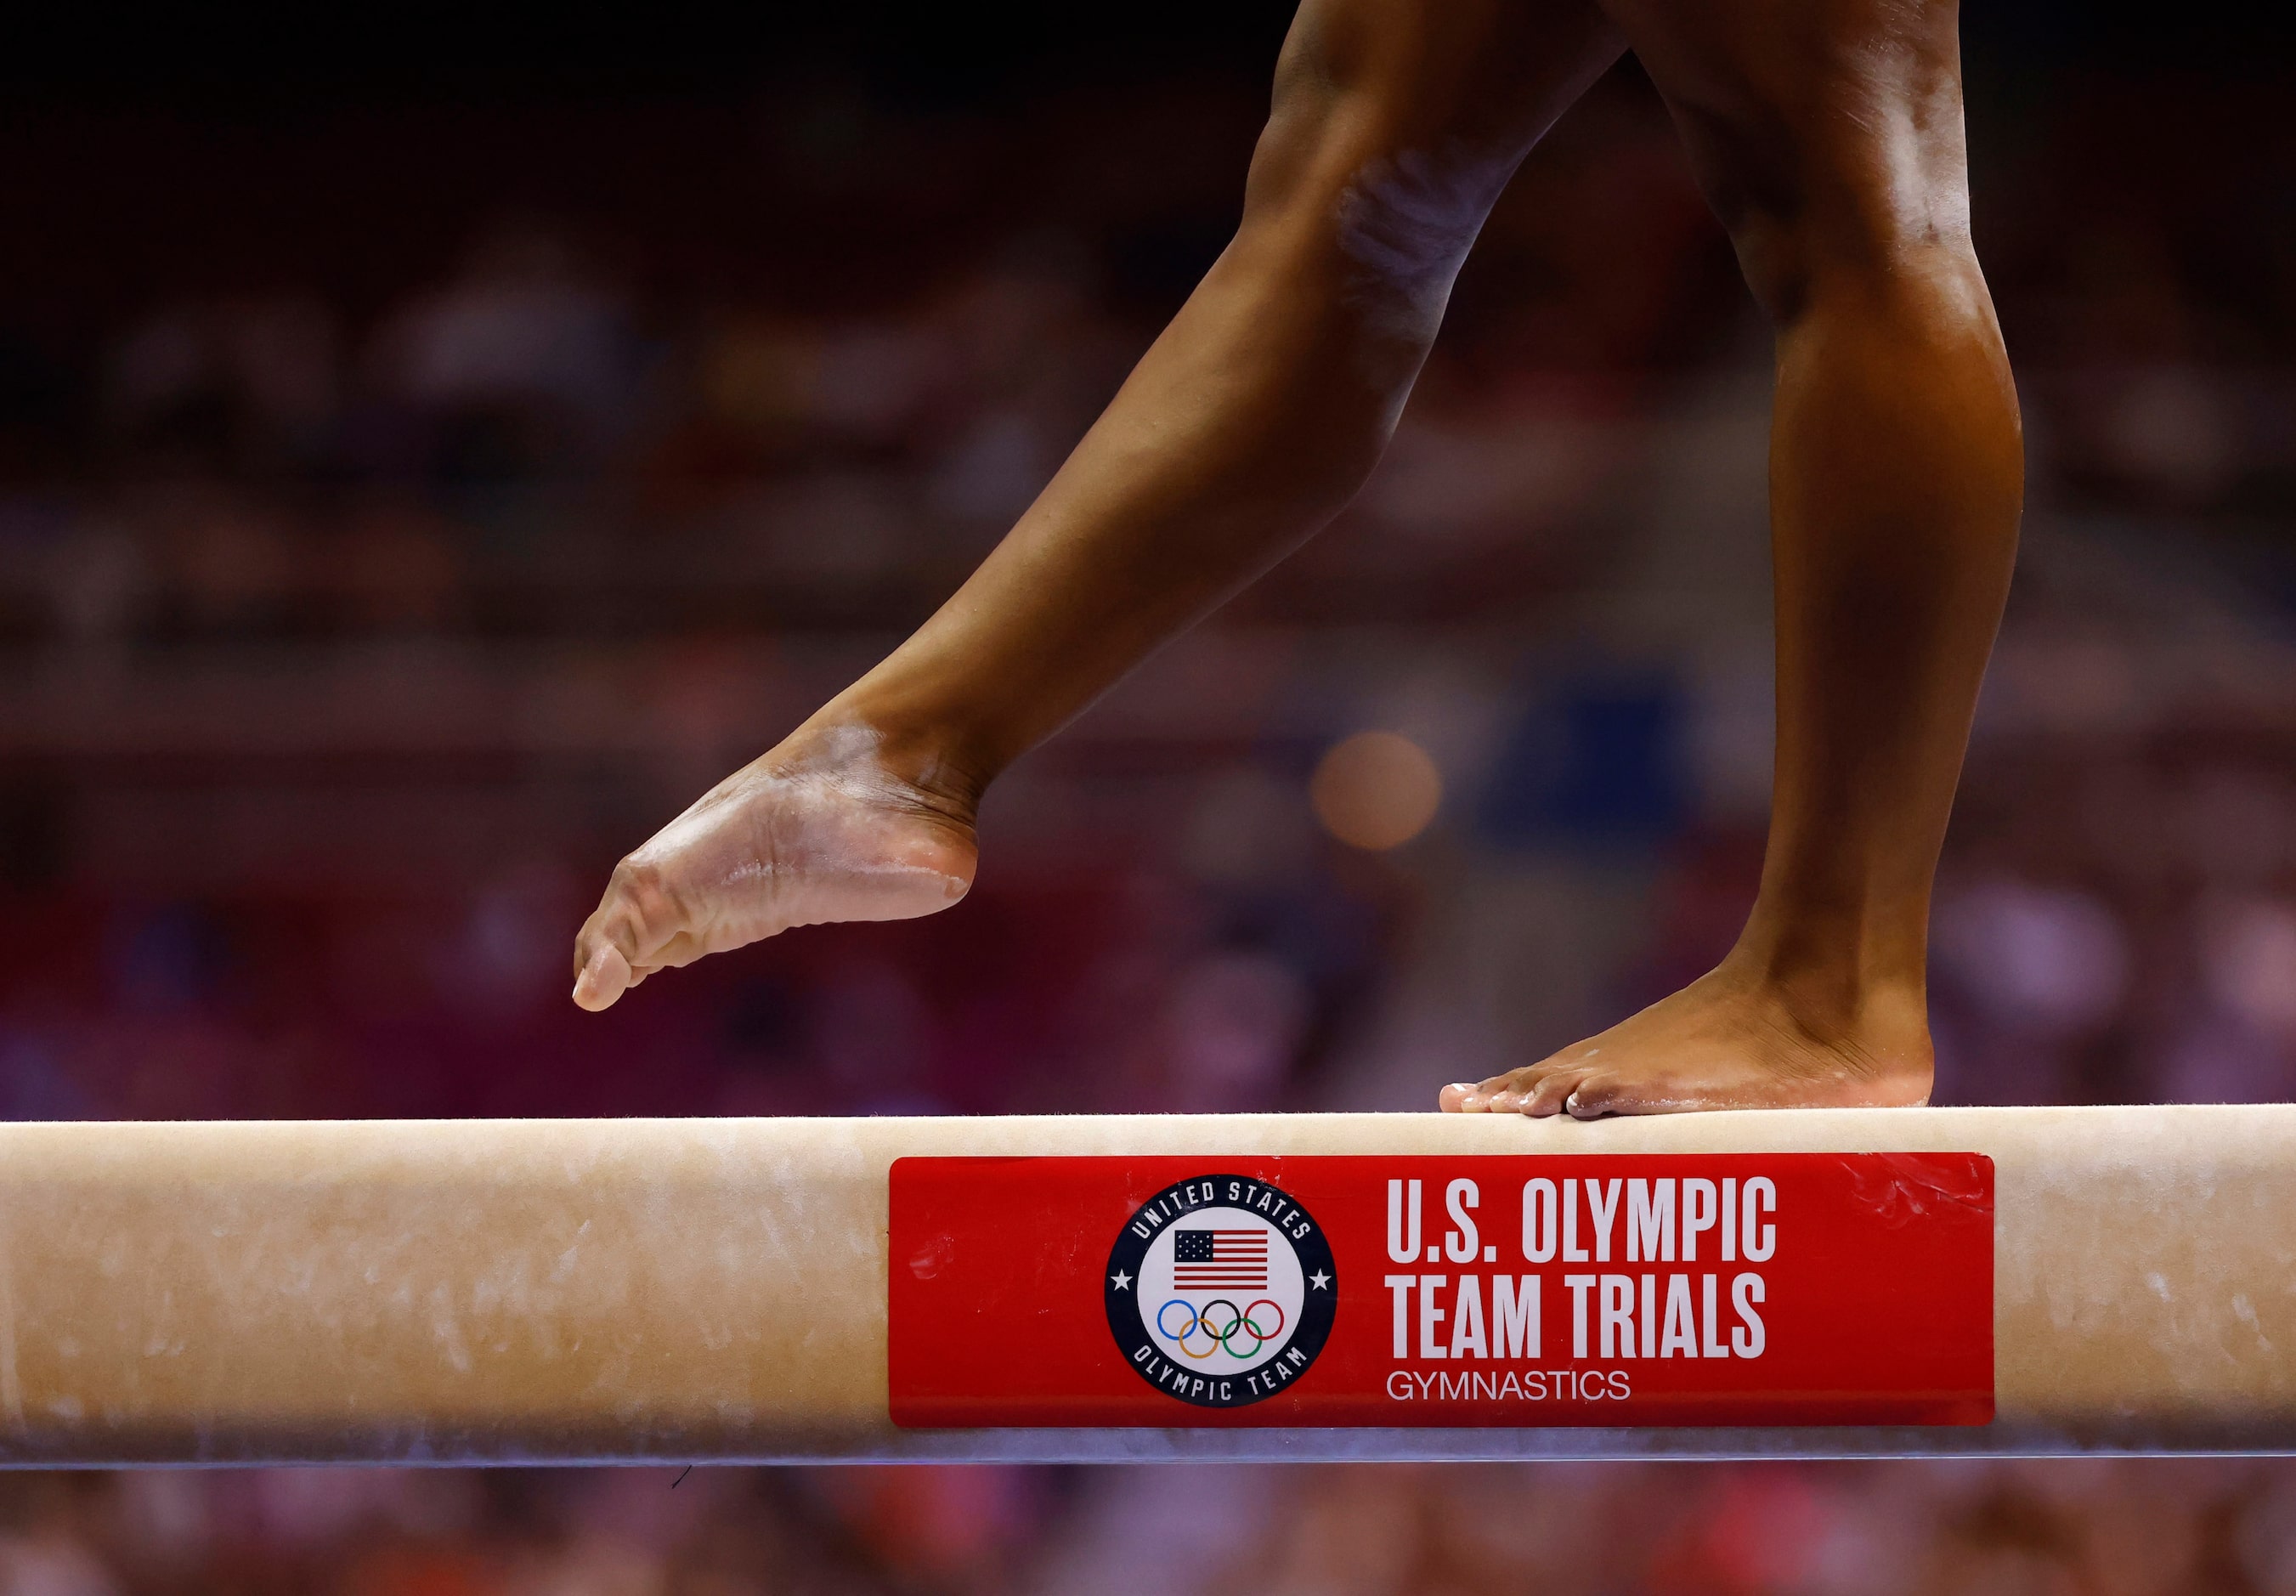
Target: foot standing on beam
1827,135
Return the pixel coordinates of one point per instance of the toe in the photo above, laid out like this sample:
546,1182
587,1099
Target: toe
621,942
603,977
1464,1098
1592,1100
1554,1091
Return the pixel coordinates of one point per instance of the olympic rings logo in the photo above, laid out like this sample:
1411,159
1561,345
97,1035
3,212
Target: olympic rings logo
1220,1336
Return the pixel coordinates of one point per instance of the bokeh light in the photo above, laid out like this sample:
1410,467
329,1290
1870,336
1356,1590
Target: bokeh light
1376,789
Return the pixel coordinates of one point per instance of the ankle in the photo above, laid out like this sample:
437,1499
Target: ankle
919,765
1832,993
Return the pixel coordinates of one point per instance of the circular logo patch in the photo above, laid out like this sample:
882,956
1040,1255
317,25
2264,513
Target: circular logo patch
1221,1290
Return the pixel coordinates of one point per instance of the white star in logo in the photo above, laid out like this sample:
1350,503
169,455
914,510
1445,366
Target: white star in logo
1319,1280
1120,1280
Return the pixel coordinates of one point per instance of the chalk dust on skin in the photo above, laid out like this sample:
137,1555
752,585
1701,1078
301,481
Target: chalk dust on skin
1407,226
805,838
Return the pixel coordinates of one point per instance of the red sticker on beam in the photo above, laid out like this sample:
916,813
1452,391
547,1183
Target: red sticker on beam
1771,1288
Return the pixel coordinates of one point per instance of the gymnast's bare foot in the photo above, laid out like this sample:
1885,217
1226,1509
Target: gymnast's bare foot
1725,1040
821,828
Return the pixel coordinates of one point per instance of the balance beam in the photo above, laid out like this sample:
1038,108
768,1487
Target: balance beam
681,1290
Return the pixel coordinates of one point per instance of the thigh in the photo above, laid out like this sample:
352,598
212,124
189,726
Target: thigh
1462,86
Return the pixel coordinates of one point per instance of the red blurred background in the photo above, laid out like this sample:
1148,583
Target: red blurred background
434,448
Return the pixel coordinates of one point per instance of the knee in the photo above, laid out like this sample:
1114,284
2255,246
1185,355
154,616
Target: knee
1840,209
1394,129
1386,227
1864,255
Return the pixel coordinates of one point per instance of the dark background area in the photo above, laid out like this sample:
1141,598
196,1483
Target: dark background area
434,445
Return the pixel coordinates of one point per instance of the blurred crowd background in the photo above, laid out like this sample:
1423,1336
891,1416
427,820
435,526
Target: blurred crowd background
424,468
2159,1527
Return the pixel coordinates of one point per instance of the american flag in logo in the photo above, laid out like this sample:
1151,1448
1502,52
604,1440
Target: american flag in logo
1222,1260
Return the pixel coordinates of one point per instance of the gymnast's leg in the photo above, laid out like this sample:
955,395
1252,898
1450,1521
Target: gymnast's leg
1395,125
1828,135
